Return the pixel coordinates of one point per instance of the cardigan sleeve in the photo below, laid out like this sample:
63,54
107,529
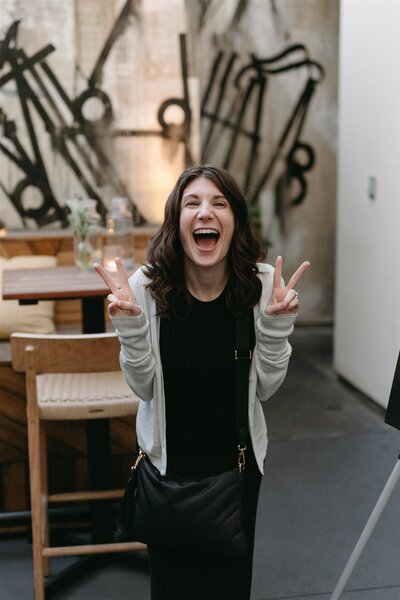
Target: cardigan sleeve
272,352
137,359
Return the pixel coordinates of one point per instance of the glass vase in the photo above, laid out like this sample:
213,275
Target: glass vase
83,252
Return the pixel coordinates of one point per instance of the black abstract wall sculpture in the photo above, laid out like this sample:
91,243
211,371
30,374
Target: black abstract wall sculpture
175,132
233,112
235,96
209,8
75,138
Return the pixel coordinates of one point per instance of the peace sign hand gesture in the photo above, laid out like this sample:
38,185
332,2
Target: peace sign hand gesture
122,300
284,300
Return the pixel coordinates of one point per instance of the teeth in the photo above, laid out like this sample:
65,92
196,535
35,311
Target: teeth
205,231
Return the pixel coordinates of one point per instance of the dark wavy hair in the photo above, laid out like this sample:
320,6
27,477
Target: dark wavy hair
165,253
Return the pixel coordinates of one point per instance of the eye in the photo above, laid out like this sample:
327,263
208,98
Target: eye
191,203
220,203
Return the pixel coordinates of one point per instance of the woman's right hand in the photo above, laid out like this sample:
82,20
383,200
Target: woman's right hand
122,300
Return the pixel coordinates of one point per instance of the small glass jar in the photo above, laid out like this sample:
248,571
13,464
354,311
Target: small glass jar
87,235
118,241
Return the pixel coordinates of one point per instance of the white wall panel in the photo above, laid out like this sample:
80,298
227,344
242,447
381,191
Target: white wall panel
367,314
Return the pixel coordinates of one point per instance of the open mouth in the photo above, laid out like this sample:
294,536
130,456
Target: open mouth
205,238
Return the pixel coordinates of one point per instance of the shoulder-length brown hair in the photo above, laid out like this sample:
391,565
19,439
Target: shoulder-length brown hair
165,253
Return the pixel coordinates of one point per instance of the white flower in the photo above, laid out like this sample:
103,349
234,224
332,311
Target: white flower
81,221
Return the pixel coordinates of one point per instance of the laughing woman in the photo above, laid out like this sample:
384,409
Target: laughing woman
175,319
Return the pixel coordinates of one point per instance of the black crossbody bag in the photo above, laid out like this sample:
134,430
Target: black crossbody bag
201,515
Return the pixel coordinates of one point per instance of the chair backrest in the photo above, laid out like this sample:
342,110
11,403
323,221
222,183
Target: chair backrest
86,353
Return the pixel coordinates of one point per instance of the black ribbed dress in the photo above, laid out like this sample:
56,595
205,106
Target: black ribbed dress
197,355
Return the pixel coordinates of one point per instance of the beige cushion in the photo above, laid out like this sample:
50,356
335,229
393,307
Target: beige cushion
32,318
85,396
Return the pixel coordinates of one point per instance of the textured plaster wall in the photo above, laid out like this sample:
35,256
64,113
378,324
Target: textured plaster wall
266,28
142,70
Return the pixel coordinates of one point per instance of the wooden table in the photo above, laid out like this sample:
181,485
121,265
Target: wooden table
28,286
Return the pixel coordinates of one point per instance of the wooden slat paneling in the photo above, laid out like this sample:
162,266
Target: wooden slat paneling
61,475
15,492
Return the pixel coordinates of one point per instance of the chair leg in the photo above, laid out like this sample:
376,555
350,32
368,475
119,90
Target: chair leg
35,476
44,492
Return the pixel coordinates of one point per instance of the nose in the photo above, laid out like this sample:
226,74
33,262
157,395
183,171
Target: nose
205,211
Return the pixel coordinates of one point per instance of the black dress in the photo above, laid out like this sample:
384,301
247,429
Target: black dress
197,355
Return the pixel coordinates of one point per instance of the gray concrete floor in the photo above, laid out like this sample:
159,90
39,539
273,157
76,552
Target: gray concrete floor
329,458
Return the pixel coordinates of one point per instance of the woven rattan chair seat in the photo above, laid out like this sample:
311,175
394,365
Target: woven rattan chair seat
84,396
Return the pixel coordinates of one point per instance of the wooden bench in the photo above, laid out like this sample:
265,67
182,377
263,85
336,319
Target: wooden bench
67,443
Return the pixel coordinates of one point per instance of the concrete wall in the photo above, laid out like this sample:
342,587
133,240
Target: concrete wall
126,154
266,28
143,69
367,332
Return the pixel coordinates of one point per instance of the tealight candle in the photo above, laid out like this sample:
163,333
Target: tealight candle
109,255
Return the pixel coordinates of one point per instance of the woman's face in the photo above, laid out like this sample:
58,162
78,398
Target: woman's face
206,224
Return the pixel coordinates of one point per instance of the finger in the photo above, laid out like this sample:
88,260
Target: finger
271,310
290,296
123,308
293,306
123,304
278,273
283,304
131,307
108,280
274,309
298,274
123,275
113,309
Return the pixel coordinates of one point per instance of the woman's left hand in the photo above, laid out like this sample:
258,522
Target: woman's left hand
285,300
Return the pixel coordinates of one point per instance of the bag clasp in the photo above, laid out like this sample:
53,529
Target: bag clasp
241,458
137,461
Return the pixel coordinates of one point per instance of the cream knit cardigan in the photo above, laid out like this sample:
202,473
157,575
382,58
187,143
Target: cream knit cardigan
141,364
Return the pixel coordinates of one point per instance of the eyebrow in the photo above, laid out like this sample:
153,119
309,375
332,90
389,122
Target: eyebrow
197,196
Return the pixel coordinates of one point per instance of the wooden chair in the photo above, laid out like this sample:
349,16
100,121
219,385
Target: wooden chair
67,377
